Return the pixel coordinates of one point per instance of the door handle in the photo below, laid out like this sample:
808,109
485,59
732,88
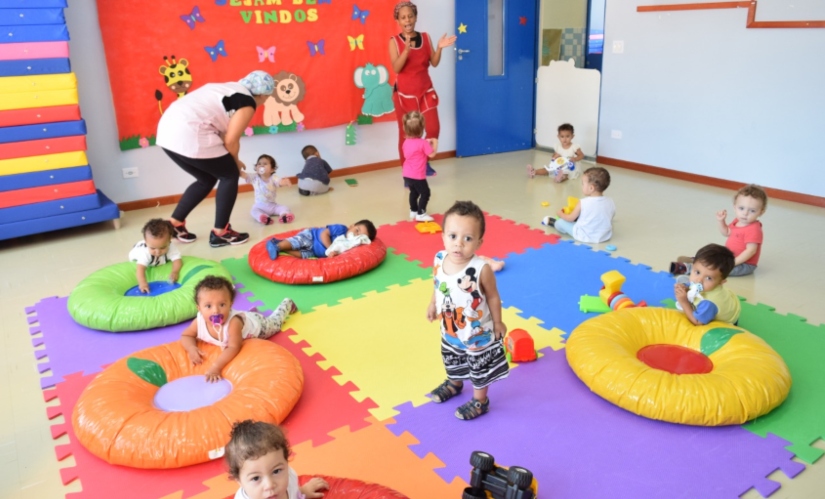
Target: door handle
462,51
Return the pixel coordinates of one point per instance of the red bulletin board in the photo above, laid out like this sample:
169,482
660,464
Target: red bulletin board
321,42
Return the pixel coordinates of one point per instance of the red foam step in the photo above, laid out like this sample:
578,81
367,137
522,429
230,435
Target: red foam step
46,193
37,115
39,147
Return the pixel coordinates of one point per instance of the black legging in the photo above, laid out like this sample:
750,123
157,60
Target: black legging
419,195
207,172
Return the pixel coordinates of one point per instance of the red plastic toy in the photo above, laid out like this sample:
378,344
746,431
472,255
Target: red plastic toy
519,346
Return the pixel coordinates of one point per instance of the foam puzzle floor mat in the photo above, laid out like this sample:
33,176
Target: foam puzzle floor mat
310,422
69,347
372,454
501,238
580,445
392,353
394,270
801,418
547,283
369,354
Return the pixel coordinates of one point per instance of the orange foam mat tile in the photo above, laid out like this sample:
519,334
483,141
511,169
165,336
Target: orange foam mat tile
372,454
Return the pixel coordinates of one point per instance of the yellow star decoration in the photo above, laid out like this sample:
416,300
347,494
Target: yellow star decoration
462,28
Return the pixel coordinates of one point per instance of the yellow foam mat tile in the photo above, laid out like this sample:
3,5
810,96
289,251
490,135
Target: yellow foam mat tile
39,98
381,342
61,81
372,454
384,344
44,162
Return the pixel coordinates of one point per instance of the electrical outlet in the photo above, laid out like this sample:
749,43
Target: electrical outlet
130,172
618,47
615,134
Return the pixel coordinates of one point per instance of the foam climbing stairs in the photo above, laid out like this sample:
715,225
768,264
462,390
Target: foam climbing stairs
45,179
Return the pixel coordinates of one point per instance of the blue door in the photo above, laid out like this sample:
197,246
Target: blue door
495,75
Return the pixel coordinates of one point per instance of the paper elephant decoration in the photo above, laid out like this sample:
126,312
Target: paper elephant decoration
377,92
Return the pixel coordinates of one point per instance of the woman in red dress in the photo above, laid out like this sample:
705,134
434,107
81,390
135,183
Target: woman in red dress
411,54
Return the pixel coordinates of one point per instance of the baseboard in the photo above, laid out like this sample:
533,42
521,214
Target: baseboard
796,197
342,172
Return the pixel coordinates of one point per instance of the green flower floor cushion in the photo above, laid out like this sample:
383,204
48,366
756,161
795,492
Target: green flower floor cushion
109,300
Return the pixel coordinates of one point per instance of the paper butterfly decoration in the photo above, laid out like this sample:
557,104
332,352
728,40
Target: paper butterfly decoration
316,48
194,16
215,51
264,54
357,41
358,13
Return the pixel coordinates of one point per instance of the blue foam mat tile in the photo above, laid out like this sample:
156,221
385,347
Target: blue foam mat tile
45,177
23,16
42,131
28,67
547,283
34,33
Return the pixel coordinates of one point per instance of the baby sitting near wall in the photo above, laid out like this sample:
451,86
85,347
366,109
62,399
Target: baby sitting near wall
314,178
321,242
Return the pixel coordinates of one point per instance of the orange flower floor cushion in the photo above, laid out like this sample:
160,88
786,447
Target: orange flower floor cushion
154,408
291,270
349,488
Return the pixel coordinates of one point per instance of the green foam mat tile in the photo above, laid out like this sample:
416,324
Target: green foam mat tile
394,270
801,418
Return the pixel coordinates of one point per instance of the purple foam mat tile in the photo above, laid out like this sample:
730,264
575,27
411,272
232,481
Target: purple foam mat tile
74,348
30,310
578,445
31,320
34,330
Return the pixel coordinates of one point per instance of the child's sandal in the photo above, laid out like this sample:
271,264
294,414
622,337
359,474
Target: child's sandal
472,409
445,391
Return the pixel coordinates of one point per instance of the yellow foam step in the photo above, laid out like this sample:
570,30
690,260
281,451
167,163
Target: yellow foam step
40,98
42,163
63,81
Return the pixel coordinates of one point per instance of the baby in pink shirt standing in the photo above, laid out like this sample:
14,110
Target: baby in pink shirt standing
416,153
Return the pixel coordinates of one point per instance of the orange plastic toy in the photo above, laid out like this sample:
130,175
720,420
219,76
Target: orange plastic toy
519,346
117,419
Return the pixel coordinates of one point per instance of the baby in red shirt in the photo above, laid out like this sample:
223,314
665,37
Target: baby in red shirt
744,232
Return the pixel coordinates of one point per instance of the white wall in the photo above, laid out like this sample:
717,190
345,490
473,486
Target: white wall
160,177
695,91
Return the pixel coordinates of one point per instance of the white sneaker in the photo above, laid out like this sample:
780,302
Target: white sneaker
413,214
423,218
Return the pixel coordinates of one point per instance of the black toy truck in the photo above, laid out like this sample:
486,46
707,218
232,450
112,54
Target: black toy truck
488,481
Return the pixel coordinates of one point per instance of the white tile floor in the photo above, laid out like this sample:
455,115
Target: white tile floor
657,219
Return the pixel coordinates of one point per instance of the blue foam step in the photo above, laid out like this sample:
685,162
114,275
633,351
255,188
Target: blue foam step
49,208
26,67
21,16
46,177
42,131
34,33
107,211
31,4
